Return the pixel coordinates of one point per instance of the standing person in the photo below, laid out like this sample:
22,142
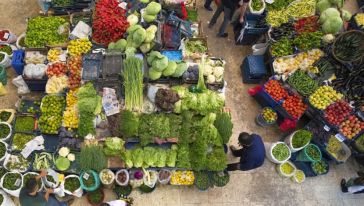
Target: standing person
251,155
29,195
228,7
353,185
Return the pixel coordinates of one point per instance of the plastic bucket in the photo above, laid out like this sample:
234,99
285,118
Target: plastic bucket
303,156
6,62
261,121
127,177
3,75
256,12
280,172
76,193
107,184
288,140
22,36
10,37
259,49
269,153
96,181
294,177
11,131
14,193
6,152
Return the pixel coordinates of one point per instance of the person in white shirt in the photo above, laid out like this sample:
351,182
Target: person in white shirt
353,185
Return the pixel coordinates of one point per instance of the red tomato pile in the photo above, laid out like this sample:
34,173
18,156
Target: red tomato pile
275,90
351,126
294,106
337,112
308,24
109,23
75,66
56,69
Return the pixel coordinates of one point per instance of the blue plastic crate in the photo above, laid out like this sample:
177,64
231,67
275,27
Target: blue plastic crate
17,61
91,65
173,55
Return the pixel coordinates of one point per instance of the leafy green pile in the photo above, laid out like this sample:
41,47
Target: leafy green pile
308,40
224,126
183,156
2,172
359,143
150,157
1,199
89,104
89,182
4,130
202,103
129,124
220,179
301,138
50,179
6,49
24,124
92,157
17,162
202,180
283,47
42,31
281,151
313,152
153,125
72,184
196,46
96,197
10,180
113,146
61,2
20,139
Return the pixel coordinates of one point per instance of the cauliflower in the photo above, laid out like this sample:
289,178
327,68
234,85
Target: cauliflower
64,151
208,70
211,79
71,157
218,71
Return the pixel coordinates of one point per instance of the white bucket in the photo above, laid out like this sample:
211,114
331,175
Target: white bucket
6,62
269,153
107,184
54,174
127,177
294,179
7,159
42,183
9,135
278,168
6,153
7,201
259,49
11,37
18,41
76,193
288,141
256,12
14,193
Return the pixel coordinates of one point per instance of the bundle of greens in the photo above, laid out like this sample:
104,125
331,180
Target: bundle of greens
113,146
71,184
92,157
24,124
152,126
133,83
129,124
224,125
183,156
220,179
4,130
301,138
10,180
2,149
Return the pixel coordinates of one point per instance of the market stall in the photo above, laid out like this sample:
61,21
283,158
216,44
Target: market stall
314,94
130,99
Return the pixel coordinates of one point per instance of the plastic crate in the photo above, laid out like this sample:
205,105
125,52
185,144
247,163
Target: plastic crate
17,61
254,66
173,55
38,85
112,64
91,65
50,142
251,33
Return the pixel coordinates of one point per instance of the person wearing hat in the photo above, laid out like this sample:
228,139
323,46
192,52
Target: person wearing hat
251,155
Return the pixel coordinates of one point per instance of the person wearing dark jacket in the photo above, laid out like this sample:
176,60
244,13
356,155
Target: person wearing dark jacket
228,7
207,5
354,185
251,155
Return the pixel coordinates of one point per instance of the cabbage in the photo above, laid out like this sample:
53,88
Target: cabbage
149,18
152,29
62,163
145,47
111,45
153,8
171,68
133,28
322,5
150,35
346,15
329,13
130,52
152,55
181,68
120,44
132,19
159,64
339,3
154,74
139,37
332,25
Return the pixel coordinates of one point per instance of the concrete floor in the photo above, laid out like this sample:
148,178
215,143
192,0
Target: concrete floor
262,186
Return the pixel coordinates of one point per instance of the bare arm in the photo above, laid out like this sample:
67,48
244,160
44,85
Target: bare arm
242,11
48,192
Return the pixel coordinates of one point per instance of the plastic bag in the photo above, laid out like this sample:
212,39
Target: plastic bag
2,90
76,193
16,192
22,86
7,201
259,49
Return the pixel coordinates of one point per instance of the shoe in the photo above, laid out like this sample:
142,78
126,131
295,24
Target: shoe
210,26
208,8
344,189
224,35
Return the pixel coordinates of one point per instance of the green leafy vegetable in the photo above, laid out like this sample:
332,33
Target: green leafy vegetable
24,124
113,146
28,176
20,139
313,152
2,149
4,116
62,163
224,125
92,157
4,130
10,180
202,180
129,124
72,184
281,151
320,167
220,179
301,138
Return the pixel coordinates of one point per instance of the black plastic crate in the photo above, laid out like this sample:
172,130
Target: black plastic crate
50,142
38,85
112,64
91,65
